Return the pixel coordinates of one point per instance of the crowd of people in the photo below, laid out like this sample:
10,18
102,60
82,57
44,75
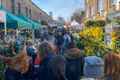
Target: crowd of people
55,58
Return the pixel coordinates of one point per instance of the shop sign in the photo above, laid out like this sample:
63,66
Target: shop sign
2,16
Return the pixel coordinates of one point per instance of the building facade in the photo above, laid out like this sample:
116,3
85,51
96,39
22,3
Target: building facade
91,7
102,8
25,8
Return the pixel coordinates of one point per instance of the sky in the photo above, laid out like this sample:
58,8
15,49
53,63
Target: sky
62,8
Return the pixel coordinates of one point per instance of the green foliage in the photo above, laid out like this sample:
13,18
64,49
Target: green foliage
118,21
89,23
91,41
92,47
100,23
79,43
117,41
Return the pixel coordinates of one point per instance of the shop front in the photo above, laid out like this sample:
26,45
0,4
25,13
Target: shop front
10,23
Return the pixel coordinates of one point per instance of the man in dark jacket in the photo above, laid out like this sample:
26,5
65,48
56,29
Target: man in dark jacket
59,41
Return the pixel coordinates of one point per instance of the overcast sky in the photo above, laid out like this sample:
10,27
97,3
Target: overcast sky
63,8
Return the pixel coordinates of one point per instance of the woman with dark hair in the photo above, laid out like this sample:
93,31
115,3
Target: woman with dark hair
46,54
57,65
49,68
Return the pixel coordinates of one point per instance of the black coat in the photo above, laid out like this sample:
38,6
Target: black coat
74,66
74,69
47,72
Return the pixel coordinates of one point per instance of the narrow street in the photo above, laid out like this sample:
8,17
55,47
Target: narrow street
59,39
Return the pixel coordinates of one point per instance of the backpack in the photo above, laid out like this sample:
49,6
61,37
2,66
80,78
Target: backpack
94,67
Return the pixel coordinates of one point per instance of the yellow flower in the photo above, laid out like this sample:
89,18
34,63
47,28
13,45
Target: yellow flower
95,32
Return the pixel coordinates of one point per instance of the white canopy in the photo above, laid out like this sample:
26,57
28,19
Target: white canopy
75,23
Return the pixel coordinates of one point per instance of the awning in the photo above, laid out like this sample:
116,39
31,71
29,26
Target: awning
20,23
35,25
15,21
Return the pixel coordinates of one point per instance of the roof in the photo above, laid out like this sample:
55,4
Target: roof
39,8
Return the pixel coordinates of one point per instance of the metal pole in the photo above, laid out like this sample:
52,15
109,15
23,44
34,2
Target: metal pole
33,36
5,25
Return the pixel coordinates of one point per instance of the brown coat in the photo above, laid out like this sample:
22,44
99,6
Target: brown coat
112,66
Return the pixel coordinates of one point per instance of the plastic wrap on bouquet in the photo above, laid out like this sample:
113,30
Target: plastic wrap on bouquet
94,67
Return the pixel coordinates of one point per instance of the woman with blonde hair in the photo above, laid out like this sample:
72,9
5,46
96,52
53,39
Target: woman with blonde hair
18,65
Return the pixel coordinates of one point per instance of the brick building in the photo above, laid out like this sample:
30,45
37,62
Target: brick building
25,8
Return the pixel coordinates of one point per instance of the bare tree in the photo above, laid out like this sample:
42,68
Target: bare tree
78,15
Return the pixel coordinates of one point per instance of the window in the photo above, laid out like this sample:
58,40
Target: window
40,13
19,8
30,12
13,6
26,10
1,3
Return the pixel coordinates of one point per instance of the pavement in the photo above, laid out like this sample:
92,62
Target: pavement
91,79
